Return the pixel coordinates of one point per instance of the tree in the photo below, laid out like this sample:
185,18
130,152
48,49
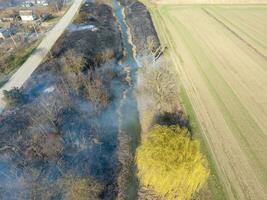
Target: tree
14,97
171,163
159,83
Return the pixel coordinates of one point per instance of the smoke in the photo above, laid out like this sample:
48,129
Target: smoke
63,133
69,126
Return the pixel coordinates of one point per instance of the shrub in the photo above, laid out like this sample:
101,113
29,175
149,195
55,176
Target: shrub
173,118
45,146
81,188
104,56
171,163
14,97
81,18
159,83
96,92
74,62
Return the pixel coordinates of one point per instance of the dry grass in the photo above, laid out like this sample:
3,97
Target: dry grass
125,158
82,188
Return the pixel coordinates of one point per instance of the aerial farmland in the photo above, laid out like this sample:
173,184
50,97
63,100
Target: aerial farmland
220,52
135,100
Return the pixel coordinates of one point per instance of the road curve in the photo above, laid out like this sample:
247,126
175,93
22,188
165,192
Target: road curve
25,71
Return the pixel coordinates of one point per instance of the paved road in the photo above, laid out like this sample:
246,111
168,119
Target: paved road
25,71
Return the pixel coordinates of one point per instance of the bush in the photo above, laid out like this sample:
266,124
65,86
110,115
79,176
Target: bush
159,83
80,18
14,97
81,188
74,62
104,56
173,118
96,92
171,163
45,146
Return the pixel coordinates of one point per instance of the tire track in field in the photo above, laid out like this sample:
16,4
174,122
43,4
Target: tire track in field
247,79
247,24
236,34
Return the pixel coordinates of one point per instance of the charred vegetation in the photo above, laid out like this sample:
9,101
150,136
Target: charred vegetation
62,142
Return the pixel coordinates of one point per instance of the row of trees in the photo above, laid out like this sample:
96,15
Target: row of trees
169,160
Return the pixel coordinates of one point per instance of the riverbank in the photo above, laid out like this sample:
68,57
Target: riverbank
144,40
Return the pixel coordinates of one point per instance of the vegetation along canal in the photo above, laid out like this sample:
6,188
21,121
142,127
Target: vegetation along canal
128,112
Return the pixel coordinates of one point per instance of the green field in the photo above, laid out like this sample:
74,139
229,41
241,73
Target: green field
220,54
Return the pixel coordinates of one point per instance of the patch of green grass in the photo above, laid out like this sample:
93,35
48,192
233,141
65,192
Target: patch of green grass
13,62
214,183
21,56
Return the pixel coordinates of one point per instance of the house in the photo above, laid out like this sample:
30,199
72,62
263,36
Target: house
4,33
27,15
42,2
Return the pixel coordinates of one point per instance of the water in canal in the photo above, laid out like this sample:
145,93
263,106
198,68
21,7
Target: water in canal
128,109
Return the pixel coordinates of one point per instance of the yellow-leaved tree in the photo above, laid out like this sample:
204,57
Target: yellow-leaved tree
170,162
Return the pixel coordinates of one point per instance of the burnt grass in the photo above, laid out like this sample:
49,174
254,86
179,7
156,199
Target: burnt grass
59,133
141,26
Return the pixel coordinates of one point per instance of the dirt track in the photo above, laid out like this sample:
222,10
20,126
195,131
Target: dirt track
225,80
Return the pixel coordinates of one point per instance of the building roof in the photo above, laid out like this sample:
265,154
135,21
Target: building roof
26,13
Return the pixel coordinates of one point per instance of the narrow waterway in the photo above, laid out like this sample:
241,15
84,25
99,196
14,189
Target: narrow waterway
128,112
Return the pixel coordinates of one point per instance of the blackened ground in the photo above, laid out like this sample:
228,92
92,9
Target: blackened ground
141,26
92,43
59,133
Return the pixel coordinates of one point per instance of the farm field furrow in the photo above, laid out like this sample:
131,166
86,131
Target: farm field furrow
247,22
225,80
